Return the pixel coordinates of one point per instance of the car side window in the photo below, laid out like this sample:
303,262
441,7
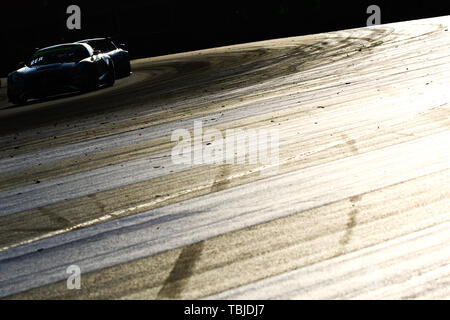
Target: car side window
83,53
102,45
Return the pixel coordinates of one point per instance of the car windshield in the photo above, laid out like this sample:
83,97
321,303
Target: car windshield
59,55
102,45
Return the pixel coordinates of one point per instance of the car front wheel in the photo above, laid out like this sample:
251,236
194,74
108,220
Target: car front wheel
91,81
18,99
111,77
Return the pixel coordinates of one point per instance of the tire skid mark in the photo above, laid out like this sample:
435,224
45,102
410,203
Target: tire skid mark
221,180
129,206
351,222
351,216
97,203
55,218
351,143
181,272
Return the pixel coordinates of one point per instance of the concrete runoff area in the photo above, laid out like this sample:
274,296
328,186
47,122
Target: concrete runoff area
357,208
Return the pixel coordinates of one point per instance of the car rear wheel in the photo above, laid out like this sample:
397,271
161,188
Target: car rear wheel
125,69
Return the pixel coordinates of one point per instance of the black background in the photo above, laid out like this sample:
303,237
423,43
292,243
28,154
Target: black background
175,309
159,27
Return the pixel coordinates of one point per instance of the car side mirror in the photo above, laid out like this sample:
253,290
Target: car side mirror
96,52
122,45
21,64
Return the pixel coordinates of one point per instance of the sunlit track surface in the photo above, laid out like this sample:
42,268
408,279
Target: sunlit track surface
358,208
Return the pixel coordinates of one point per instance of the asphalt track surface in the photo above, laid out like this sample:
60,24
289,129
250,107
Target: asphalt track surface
357,207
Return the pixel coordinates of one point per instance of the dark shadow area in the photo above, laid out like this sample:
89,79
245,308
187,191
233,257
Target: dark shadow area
151,28
47,99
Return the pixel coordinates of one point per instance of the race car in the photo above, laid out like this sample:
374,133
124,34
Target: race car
119,55
58,69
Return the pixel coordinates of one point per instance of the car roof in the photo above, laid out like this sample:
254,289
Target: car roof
66,45
85,45
93,39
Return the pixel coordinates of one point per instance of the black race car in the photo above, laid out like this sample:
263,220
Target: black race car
61,68
119,55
